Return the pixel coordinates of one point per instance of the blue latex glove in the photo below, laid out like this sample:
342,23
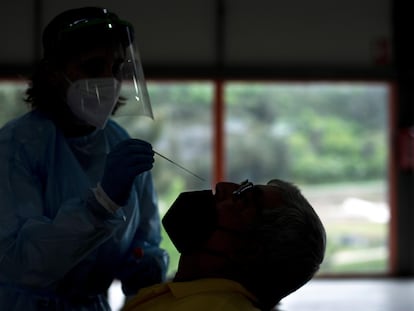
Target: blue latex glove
128,159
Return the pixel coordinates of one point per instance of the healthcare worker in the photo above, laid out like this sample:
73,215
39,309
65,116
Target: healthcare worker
78,207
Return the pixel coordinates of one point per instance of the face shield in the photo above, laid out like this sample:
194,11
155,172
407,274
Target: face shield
77,32
134,95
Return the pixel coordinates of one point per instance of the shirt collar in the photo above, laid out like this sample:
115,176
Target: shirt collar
182,289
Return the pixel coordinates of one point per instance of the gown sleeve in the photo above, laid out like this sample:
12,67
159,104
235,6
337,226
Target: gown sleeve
146,263
36,249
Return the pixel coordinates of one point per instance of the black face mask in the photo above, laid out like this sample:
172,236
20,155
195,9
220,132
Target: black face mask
190,220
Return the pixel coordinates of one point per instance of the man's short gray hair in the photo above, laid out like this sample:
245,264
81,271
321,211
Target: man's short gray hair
285,248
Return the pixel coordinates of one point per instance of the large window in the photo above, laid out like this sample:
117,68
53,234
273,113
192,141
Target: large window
12,94
331,139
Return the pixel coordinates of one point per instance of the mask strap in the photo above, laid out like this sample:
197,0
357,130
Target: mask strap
214,253
235,233
231,231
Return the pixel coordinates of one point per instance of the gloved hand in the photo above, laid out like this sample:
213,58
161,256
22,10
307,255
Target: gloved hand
128,159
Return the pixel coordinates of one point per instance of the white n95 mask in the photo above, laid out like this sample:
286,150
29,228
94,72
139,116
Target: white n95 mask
93,100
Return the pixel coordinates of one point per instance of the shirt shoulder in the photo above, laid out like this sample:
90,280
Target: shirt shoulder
200,295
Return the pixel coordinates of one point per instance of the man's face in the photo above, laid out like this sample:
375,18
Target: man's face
238,204
236,207
195,217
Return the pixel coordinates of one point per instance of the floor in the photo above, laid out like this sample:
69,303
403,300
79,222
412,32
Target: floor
352,295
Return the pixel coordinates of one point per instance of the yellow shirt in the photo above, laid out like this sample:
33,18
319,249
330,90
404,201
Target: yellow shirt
199,295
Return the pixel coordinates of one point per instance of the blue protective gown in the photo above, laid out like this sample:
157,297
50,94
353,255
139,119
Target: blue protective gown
59,248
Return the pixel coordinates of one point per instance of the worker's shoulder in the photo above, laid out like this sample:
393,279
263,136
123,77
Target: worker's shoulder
29,128
115,131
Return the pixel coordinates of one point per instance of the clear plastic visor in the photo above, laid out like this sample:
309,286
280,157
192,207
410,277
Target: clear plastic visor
134,93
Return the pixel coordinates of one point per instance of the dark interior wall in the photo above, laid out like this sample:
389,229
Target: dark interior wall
268,36
17,32
403,29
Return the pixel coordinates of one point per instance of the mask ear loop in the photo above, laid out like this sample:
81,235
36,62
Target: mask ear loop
243,235
214,253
